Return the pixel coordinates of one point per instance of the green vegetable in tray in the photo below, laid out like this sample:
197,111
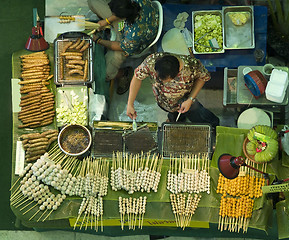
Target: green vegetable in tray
76,113
207,27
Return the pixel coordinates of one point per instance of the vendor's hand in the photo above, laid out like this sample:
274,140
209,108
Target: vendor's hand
130,111
102,24
185,106
96,36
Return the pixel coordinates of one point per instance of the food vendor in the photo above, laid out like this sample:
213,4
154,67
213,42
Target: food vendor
139,30
176,82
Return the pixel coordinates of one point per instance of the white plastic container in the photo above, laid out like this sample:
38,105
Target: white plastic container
277,86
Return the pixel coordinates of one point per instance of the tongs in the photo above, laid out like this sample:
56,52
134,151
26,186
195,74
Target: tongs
204,35
196,42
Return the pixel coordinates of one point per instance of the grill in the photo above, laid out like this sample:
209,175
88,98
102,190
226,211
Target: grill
61,71
110,137
105,142
179,139
140,141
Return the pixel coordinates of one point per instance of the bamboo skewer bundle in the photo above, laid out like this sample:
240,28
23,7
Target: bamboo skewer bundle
87,178
135,172
236,205
131,210
187,174
88,25
184,208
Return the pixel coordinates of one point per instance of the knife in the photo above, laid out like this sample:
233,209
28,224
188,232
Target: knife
188,39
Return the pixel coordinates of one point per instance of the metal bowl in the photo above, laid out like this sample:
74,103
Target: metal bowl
74,140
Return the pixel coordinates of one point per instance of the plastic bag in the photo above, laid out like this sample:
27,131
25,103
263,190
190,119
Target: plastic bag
285,139
97,107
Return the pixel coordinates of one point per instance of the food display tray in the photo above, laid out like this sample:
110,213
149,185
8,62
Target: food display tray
62,73
202,13
185,138
238,36
68,97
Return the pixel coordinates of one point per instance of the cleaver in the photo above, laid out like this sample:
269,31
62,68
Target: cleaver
188,39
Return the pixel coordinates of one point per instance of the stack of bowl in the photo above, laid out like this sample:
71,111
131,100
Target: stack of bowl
255,82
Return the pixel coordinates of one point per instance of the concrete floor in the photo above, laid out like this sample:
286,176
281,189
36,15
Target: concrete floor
211,96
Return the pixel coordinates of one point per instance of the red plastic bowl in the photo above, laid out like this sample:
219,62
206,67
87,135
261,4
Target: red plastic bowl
259,79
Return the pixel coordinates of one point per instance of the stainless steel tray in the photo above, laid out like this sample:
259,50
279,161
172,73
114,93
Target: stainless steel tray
202,13
230,86
245,97
62,74
238,36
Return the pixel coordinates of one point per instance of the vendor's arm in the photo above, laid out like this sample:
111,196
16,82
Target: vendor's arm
198,85
112,45
133,91
108,21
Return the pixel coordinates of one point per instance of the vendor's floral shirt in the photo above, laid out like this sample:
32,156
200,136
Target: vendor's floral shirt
169,94
137,36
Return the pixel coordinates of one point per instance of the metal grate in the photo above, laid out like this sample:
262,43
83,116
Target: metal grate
106,142
142,140
179,139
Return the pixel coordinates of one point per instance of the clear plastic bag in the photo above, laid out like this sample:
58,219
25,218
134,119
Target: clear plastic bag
285,139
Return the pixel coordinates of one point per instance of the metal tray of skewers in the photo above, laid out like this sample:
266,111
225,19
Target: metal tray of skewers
185,138
73,59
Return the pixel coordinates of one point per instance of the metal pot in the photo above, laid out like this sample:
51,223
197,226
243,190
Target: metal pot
74,140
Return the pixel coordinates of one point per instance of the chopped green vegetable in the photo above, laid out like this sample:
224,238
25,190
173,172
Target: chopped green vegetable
77,114
207,27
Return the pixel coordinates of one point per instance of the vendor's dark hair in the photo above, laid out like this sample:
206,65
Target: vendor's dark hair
167,66
125,9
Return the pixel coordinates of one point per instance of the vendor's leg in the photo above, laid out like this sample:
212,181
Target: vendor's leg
113,59
198,114
172,116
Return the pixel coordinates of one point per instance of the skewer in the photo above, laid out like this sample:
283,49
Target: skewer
42,215
25,205
29,209
47,215
18,179
178,116
34,215
83,220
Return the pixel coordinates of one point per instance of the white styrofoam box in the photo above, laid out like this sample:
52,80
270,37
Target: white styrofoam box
276,88
279,76
275,92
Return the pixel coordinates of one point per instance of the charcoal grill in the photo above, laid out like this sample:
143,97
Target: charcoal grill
142,140
105,142
109,137
180,139
61,76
